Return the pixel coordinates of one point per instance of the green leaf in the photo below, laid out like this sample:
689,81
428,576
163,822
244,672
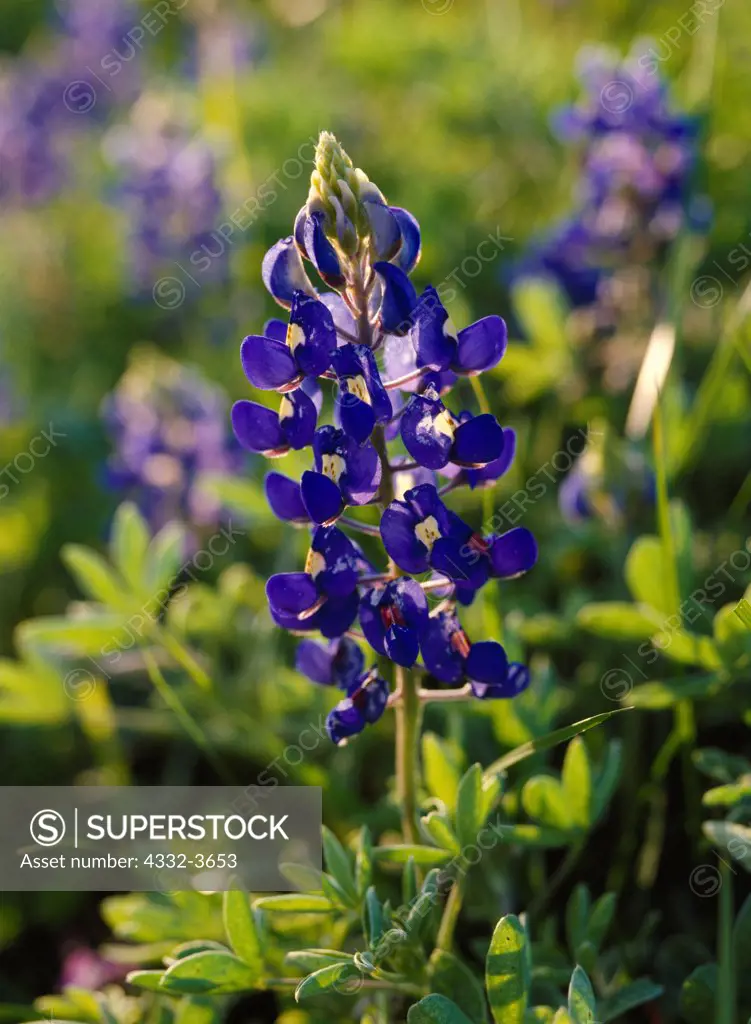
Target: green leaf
562,1016
688,648
424,856
145,979
165,558
719,765
544,799
94,576
210,972
310,960
636,993
339,864
645,571
618,620
732,837
728,796
364,861
698,995
506,974
470,806
601,918
607,777
449,977
373,914
539,1015
439,830
436,1009
577,917
534,836
240,927
581,998
552,739
576,779
442,768
323,980
73,636
295,903
129,543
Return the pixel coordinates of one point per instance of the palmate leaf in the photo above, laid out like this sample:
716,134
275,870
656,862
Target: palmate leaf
475,797
576,778
731,837
333,976
339,865
296,903
544,799
507,972
645,572
96,579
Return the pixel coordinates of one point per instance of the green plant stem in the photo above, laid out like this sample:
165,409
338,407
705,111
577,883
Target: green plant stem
450,916
189,724
726,995
567,865
408,716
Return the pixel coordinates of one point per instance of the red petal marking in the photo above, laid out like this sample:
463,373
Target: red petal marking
460,642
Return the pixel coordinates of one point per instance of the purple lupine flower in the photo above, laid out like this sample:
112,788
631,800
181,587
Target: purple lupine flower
167,424
170,192
634,193
393,358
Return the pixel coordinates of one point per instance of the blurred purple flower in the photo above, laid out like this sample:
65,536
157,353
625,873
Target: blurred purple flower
168,425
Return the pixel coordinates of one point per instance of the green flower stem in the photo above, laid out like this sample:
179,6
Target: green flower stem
408,716
450,916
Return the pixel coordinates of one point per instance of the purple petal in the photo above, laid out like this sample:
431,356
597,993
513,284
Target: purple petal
285,499
409,254
434,347
496,468
283,273
385,232
487,663
291,592
398,524
268,364
399,299
513,553
256,427
297,419
321,497
313,354
427,432
322,253
478,441
362,478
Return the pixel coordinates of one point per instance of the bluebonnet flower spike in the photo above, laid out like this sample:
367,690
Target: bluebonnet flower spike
393,359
